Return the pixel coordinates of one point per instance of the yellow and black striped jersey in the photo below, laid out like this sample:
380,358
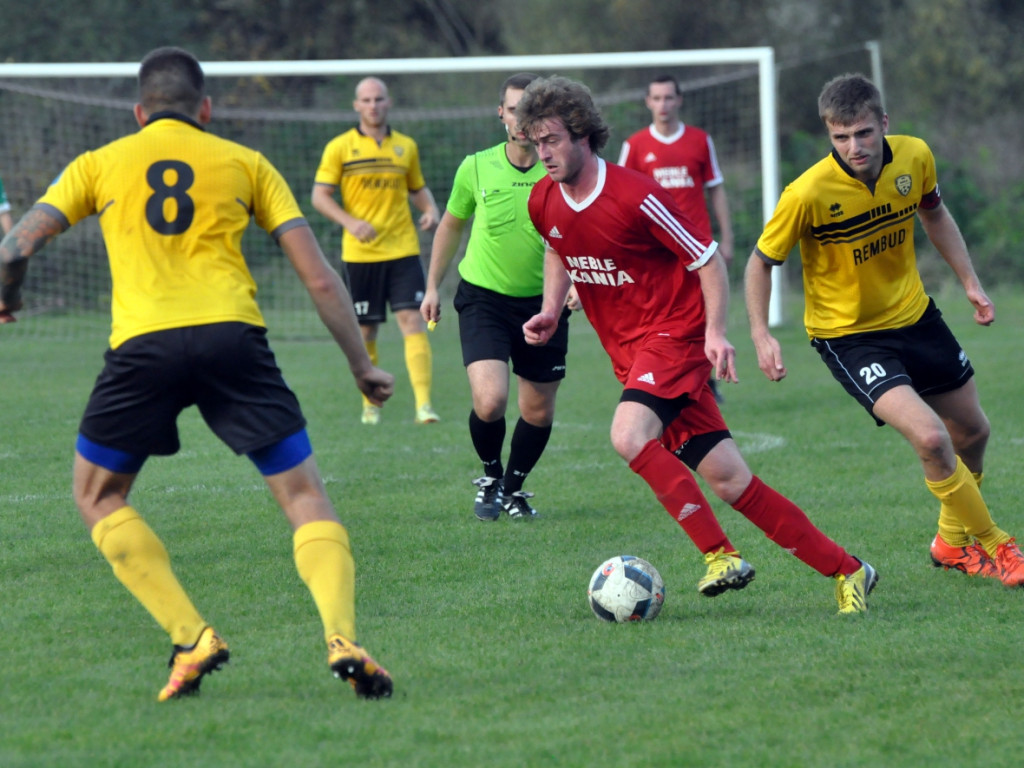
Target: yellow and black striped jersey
173,202
856,244
375,181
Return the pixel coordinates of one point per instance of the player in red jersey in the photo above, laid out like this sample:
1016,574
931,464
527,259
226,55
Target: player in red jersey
682,159
656,294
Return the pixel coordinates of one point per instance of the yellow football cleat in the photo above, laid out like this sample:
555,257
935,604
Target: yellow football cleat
188,665
349,661
852,591
371,415
426,415
726,570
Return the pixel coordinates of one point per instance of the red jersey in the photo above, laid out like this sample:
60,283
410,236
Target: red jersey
629,251
684,163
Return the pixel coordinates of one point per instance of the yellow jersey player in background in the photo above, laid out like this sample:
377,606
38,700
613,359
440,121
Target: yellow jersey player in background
378,172
868,316
173,202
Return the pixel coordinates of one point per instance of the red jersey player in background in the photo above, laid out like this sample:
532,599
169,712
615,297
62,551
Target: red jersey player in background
682,159
656,293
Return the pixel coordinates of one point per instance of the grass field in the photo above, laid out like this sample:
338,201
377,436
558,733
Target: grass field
496,657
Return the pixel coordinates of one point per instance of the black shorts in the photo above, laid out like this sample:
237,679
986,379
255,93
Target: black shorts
376,284
491,328
924,355
226,369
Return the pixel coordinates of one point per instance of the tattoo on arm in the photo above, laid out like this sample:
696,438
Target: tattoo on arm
36,229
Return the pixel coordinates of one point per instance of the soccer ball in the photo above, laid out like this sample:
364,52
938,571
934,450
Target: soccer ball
626,588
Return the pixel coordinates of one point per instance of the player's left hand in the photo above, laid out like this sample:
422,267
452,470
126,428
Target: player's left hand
572,299
428,220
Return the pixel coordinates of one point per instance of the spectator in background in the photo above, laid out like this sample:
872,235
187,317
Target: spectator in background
378,172
682,159
502,282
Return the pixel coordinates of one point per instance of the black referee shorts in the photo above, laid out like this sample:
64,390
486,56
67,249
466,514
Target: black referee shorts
491,328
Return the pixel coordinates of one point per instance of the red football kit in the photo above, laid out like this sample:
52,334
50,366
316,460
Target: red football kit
684,163
632,256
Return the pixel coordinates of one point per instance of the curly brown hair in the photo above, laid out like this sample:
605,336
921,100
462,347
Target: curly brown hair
565,100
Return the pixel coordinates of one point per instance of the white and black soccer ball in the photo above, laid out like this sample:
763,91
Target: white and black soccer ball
626,588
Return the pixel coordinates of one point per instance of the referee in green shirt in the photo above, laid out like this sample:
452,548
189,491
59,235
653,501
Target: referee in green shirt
501,286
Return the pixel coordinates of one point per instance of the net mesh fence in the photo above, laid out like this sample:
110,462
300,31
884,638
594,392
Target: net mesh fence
45,123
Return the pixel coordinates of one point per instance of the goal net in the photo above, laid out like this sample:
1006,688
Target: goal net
50,113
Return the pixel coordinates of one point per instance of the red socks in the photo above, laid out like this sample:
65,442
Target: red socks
786,524
678,492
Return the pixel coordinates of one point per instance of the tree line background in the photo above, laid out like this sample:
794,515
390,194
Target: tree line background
953,69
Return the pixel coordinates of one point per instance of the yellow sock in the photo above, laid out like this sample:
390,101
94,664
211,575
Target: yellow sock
419,362
951,529
959,495
371,348
324,561
140,562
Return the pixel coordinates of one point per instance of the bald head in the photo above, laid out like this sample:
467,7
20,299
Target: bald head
372,104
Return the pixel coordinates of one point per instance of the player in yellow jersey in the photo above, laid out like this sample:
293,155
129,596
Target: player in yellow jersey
378,172
868,316
173,202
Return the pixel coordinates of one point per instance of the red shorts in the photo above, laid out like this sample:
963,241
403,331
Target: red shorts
700,417
670,369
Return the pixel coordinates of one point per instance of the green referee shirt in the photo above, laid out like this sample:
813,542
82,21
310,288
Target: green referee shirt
505,254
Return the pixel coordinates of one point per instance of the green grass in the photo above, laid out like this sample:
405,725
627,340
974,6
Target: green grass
496,657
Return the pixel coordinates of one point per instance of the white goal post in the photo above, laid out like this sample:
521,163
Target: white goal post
756,64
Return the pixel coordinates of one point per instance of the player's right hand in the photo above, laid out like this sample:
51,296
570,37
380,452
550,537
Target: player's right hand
363,231
769,357
430,307
377,385
539,328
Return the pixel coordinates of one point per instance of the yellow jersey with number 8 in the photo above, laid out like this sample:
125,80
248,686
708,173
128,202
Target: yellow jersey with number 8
173,202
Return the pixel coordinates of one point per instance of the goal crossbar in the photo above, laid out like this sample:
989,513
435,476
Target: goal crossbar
762,57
